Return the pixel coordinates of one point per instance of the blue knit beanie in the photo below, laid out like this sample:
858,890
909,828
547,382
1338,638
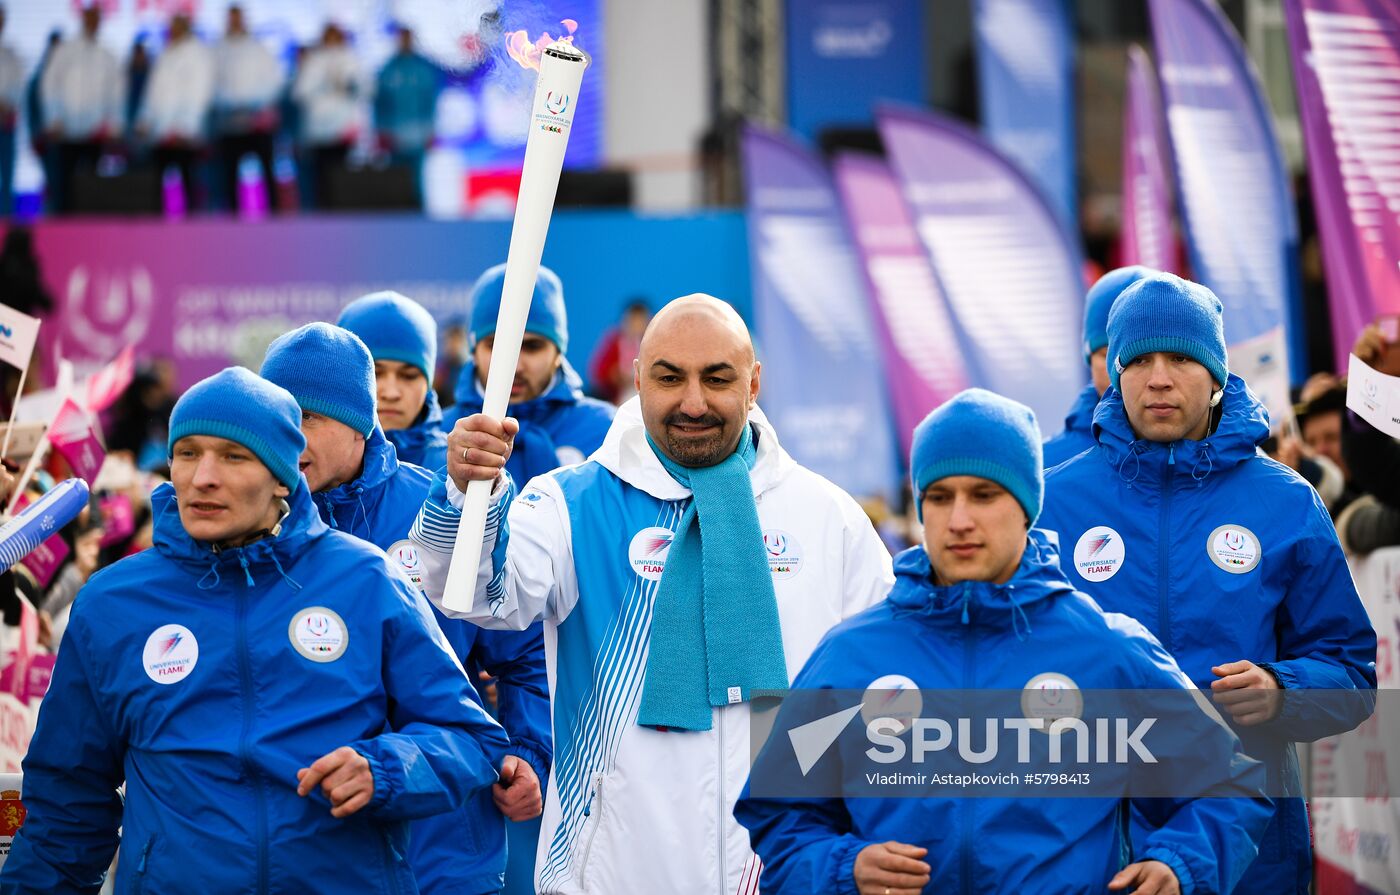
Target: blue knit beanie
394,327
1100,300
328,370
1163,312
980,433
547,316
239,406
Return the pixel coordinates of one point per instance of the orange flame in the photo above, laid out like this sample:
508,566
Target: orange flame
520,48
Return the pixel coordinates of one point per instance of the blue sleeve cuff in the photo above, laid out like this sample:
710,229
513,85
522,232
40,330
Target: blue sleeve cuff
843,859
382,788
538,763
1178,866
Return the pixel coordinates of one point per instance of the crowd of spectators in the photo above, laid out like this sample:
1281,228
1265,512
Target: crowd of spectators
225,119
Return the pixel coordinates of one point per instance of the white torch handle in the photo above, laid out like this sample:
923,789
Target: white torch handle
551,119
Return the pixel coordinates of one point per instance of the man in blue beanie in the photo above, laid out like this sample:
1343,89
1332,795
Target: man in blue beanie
402,338
982,605
1229,558
1078,435
274,693
559,425
366,491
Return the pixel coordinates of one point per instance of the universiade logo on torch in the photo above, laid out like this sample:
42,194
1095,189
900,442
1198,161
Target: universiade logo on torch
560,65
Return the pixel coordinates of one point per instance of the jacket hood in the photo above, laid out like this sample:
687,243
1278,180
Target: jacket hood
567,388
982,604
626,454
257,563
1081,415
1244,424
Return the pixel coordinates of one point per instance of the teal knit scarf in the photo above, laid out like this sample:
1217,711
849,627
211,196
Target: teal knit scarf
715,634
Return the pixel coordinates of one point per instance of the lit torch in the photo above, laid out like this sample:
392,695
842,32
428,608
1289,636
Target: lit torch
561,66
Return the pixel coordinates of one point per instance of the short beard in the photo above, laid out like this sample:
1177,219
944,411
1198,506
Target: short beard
699,453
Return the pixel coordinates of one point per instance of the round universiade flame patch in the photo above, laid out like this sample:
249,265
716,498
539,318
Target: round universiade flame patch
1234,548
892,696
1099,554
648,550
170,655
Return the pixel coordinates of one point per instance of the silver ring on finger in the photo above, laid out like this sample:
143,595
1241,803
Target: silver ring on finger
465,452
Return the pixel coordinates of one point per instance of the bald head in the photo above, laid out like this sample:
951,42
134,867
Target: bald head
697,378
701,317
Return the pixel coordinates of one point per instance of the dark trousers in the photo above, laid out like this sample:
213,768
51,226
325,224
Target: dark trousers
72,156
326,158
232,149
7,170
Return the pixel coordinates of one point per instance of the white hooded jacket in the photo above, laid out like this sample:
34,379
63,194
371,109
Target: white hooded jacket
633,809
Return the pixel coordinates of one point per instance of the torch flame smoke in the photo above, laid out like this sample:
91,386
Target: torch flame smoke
520,48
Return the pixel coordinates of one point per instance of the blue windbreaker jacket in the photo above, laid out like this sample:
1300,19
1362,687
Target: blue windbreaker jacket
559,428
424,443
1078,434
978,635
187,673
1224,554
461,853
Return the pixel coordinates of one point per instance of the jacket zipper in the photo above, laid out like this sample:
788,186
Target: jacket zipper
595,795
965,805
723,870
1163,545
140,884
259,797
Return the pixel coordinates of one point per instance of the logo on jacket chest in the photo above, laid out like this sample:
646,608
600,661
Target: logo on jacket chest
892,696
405,555
319,634
783,552
1234,548
170,655
1099,554
648,550
1051,696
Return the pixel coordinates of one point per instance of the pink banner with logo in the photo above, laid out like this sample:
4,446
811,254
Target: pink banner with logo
73,438
1346,61
1004,259
923,360
107,384
1147,200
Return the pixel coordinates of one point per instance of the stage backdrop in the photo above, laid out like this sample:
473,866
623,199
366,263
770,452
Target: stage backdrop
211,293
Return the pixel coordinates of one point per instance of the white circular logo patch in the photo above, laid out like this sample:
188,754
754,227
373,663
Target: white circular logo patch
170,655
319,634
892,696
1051,696
1234,549
405,555
647,552
568,456
1099,554
783,552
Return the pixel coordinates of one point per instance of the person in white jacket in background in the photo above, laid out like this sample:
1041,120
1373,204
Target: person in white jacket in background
651,675
331,89
174,112
12,79
84,94
248,83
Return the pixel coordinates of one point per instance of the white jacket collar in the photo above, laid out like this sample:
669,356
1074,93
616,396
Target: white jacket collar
626,454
